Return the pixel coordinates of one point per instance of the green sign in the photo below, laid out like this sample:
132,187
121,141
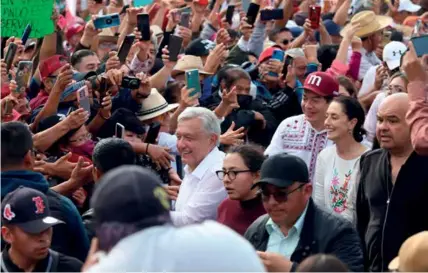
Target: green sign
16,14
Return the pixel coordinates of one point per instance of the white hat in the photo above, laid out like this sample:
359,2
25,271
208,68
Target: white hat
205,247
407,5
392,53
154,106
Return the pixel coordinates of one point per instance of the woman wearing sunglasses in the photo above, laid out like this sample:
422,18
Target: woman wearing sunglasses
241,169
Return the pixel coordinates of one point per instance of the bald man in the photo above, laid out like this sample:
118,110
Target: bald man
392,201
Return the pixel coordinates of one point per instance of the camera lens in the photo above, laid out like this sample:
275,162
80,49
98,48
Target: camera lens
108,21
133,83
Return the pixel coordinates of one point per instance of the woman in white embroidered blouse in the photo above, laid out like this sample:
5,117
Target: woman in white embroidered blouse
337,169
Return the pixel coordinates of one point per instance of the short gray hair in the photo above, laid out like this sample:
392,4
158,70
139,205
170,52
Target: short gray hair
210,122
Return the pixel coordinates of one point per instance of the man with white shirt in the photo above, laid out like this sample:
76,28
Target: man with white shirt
304,135
200,193
371,35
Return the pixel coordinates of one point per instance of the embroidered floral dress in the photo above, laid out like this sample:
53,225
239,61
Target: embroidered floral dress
336,183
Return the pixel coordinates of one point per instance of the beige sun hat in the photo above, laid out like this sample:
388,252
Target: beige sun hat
369,22
107,35
413,254
188,62
154,106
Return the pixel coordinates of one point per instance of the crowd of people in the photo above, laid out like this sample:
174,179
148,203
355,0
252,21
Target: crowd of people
221,136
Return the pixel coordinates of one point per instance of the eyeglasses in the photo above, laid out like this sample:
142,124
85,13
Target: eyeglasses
82,138
232,174
279,196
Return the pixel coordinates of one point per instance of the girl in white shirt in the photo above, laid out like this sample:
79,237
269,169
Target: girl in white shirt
337,169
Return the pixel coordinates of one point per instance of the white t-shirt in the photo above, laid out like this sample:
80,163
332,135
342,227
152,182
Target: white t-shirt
336,183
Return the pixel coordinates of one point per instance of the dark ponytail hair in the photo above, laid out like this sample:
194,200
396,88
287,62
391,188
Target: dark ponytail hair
252,155
353,109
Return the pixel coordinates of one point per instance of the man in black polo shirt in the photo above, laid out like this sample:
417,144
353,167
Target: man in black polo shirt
27,230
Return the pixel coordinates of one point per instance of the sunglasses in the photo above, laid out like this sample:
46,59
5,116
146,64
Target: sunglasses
285,41
279,196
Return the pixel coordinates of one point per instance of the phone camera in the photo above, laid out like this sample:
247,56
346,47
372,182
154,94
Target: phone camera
109,21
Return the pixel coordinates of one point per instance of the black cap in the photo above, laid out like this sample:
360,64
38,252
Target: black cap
282,170
130,194
199,47
28,209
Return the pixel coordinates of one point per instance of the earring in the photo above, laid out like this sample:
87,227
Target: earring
350,131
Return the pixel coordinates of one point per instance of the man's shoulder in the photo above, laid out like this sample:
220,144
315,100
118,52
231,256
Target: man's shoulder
257,226
331,222
371,156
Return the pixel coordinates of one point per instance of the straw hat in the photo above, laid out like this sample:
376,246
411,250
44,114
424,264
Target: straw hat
107,35
154,106
369,21
188,62
413,254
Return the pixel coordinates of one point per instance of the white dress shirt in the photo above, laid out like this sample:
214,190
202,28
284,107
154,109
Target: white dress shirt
201,191
296,136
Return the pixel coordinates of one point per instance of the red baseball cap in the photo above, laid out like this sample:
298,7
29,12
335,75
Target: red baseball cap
266,54
73,30
50,65
322,83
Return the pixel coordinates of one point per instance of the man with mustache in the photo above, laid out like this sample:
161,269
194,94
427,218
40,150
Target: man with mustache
393,188
27,229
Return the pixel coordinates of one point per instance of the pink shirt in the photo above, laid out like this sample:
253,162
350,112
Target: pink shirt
417,116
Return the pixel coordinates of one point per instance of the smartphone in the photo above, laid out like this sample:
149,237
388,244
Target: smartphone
143,24
103,88
154,10
252,12
211,6
141,3
315,16
421,45
277,54
23,76
192,81
125,48
99,1
273,14
83,98
69,111
26,34
107,21
245,5
10,55
8,107
386,37
124,8
185,19
174,47
130,82
153,133
120,130
229,13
